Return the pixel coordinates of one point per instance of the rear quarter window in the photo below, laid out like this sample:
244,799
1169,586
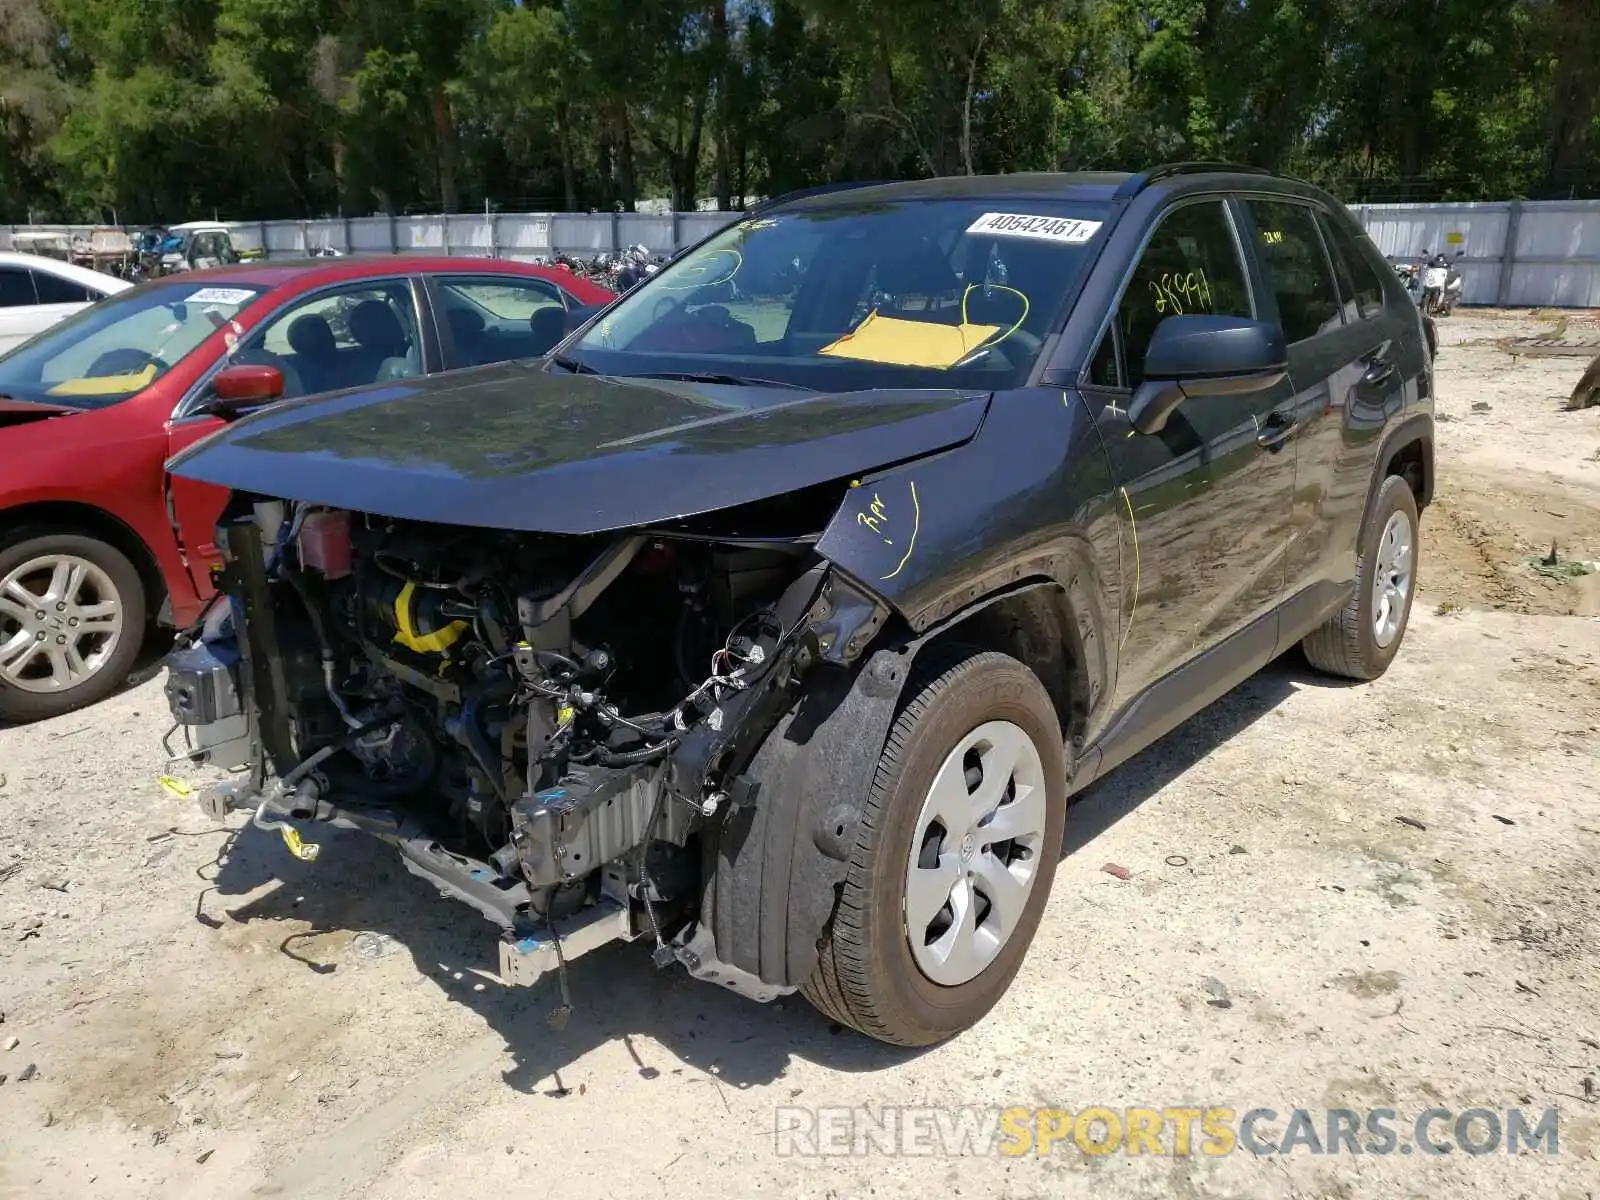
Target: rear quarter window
1358,278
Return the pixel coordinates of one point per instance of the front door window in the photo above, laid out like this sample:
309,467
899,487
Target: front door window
346,337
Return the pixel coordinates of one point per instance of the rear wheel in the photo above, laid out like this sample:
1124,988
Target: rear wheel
1363,639
72,617
959,841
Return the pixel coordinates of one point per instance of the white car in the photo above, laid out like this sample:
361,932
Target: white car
36,292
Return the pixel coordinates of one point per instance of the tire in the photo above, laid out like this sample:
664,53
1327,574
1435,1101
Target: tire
106,646
1350,644
868,975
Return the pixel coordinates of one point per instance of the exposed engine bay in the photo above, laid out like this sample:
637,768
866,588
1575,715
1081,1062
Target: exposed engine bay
542,725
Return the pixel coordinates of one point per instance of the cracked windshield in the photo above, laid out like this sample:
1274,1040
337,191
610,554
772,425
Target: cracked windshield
937,293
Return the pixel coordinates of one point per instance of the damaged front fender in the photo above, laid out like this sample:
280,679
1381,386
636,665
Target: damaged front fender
773,866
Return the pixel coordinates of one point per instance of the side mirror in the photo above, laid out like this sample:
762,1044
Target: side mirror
1195,356
241,387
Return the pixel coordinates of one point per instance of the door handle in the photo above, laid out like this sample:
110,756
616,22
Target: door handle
1276,430
1379,371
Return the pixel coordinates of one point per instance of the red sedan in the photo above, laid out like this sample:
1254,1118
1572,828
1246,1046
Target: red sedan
97,542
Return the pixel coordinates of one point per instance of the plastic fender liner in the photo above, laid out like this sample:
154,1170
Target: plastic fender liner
774,864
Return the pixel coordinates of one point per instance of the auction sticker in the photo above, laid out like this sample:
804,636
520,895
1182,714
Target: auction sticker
221,296
1045,229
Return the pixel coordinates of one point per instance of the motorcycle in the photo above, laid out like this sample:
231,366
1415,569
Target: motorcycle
1434,278
1408,278
1454,285
635,267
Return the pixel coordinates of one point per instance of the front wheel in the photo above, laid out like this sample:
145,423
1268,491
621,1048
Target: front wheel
960,837
72,617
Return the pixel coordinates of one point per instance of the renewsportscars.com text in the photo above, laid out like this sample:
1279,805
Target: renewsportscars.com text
1174,1131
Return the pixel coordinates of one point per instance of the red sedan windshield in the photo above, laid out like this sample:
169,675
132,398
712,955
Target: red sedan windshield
112,349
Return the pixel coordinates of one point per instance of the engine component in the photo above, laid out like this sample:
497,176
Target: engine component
534,610
545,728
203,693
595,815
201,686
324,544
417,615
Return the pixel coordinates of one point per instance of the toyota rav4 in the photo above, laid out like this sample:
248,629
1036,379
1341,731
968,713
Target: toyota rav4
772,618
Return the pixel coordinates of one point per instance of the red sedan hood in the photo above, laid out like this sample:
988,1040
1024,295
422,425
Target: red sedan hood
24,412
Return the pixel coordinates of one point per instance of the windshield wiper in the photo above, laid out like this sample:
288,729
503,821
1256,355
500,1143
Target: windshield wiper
573,365
723,378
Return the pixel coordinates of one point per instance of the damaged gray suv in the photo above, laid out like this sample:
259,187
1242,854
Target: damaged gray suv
773,617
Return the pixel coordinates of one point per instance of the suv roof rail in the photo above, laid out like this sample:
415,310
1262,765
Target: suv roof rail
1140,180
821,189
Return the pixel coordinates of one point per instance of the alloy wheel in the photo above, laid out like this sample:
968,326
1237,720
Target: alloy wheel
1391,578
60,622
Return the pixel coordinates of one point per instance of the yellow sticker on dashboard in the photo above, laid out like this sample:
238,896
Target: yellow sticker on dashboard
905,343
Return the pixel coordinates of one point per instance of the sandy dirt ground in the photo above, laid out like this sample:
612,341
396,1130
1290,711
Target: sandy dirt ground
200,1016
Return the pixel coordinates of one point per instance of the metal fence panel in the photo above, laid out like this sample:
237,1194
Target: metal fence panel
372,235
283,239
470,235
1559,231
1553,259
1522,253
655,233
1406,232
1549,285
692,227
582,233
523,235
1401,230
322,234
420,235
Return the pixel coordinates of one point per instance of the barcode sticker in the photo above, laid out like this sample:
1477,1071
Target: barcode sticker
1047,229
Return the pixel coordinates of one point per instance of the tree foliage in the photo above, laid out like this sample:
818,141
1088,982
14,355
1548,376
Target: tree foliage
168,109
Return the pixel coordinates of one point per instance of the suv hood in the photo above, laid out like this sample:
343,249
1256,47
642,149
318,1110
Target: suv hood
513,446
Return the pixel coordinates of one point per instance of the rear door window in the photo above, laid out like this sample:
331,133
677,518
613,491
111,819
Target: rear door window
52,289
1297,268
16,288
496,319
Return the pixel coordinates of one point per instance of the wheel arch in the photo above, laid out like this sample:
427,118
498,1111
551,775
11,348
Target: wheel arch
1406,451
1043,626
66,516
774,866
1409,454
